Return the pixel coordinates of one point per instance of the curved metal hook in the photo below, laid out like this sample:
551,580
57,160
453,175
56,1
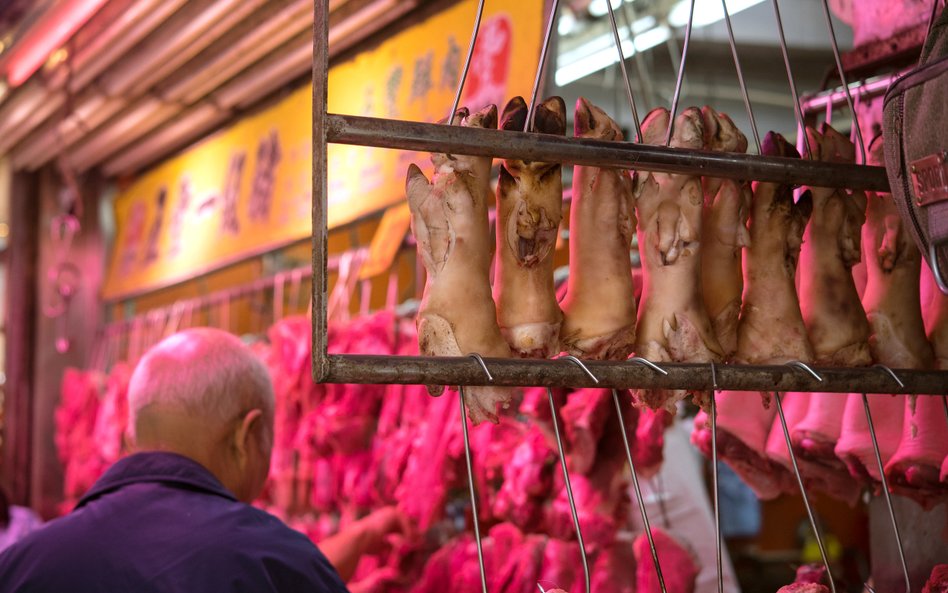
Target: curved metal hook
805,367
581,365
481,362
891,373
648,363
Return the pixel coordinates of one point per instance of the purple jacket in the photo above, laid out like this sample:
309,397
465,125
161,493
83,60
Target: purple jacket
161,522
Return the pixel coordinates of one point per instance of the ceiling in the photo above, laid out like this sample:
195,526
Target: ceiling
140,79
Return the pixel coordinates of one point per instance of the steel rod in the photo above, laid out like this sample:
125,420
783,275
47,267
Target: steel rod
625,73
638,492
842,79
797,107
714,479
740,76
803,494
320,186
384,133
467,62
542,63
421,370
569,489
885,492
470,481
681,76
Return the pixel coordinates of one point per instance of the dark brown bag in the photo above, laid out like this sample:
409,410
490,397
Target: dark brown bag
915,131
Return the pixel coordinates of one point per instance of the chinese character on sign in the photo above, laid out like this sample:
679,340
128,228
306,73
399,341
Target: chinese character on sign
179,215
154,233
391,90
229,222
134,233
261,189
421,80
451,67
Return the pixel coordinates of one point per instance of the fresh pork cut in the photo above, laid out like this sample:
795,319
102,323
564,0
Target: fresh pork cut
449,220
599,306
727,206
529,210
673,324
679,569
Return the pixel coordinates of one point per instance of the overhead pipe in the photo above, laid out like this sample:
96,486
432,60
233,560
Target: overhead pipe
191,124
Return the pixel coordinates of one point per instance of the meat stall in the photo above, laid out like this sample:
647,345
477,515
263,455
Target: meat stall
806,381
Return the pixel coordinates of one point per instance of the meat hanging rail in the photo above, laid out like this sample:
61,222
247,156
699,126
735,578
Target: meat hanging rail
570,371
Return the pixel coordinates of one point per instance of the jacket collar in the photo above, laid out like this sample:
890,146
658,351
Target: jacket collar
156,466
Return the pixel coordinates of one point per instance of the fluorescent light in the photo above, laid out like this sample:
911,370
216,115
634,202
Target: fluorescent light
706,11
566,23
607,56
599,8
603,41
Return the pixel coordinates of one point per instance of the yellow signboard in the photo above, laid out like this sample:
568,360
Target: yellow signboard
246,190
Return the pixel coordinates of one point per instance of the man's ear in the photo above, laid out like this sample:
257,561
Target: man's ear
244,429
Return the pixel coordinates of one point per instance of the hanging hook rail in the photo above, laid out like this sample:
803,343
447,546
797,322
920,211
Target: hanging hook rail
714,478
681,76
740,80
467,61
385,133
543,51
797,107
796,472
885,485
625,73
470,473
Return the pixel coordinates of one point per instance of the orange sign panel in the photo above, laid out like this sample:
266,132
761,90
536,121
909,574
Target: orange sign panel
246,190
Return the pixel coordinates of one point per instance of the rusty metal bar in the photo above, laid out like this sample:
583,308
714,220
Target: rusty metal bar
369,369
384,133
320,186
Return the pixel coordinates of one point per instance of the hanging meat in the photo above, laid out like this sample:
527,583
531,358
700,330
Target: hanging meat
771,328
529,209
599,306
834,318
679,568
449,221
915,467
897,333
727,206
673,324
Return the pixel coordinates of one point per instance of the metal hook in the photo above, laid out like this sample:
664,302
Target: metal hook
796,472
569,488
481,362
740,81
891,374
885,485
625,73
805,367
635,475
681,76
467,62
842,78
714,478
798,108
581,365
546,46
649,364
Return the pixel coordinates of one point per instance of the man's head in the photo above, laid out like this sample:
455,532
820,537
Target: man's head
203,394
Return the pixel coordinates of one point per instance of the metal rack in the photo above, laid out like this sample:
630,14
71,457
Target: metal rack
569,371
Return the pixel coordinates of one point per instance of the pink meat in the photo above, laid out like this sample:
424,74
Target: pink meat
915,469
562,565
527,560
803,588
814,440
679,568
854,447
527,480
743,427
944,471
938,581
614,570
584,418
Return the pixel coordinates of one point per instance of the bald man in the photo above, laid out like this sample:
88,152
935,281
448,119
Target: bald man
173,515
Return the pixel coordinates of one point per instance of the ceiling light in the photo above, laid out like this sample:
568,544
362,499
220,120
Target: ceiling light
566,23
706,11
607,56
